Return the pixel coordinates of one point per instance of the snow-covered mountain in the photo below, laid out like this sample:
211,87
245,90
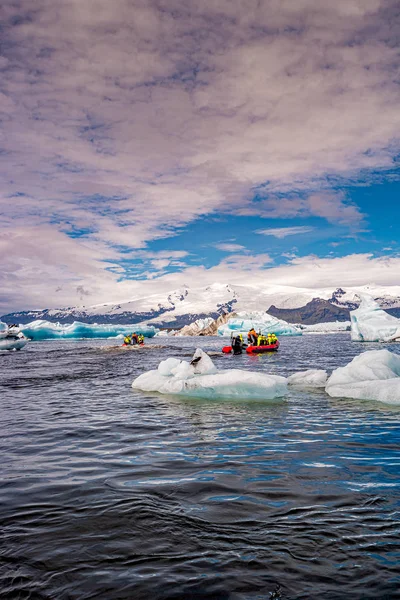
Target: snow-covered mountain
183,306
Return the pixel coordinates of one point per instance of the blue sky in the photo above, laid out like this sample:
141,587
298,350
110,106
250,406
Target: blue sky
148,145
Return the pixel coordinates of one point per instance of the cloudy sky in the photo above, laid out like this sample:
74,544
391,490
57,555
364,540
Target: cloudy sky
146,144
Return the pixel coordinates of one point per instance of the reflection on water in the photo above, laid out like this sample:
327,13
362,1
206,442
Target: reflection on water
108,493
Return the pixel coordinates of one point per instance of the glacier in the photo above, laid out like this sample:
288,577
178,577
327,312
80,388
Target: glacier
201,379
369,323
45,330
261,321
373,375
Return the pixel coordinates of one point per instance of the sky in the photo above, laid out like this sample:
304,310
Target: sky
150,144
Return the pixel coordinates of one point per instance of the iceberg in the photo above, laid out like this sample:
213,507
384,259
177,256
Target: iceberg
201,379
313,378
3,330
45,330
373,375
328,327
198,327
11,338
369,323
261,321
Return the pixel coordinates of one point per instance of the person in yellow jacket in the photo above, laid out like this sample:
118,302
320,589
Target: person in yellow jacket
261,339
127,340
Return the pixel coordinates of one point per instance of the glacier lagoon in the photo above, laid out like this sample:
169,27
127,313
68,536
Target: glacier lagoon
165,497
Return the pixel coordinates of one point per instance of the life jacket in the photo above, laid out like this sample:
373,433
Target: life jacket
127,340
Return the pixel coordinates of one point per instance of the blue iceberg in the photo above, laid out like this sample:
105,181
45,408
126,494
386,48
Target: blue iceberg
45,330
261,321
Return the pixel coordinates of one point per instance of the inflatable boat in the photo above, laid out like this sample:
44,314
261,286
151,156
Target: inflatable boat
254,349
260,349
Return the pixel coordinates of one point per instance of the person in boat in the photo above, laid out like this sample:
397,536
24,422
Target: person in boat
274,339
127,340
261,340
252,337
134,339
237,344
140,338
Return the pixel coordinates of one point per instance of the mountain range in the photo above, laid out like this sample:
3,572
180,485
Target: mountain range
185,305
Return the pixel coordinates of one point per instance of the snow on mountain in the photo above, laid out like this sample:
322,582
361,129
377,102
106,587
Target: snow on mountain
184,305
351,298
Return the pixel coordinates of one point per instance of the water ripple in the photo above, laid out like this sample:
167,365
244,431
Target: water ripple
112,494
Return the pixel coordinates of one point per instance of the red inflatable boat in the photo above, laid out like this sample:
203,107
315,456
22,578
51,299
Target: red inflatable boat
261,349
254,349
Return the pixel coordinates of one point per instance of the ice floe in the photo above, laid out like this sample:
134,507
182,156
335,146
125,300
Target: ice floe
45,330
261,321
312,378
201,379
330,327
11,338
369,323
373,375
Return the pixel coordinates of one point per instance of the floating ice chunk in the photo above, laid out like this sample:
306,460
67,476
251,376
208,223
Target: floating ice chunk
373,375
261,321
369,323
3,330
184,379
45,330
313,378
329,327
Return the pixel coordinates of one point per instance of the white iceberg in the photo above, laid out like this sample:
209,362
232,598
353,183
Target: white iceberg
45,330
328,327
198,327
261,321
201,379
369,323
373,375
312,378
164,333
11,338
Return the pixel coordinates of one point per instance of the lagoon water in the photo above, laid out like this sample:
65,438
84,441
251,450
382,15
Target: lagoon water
107,493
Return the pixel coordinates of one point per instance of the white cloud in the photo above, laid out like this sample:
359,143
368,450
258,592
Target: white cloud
130,119
229,247
282,232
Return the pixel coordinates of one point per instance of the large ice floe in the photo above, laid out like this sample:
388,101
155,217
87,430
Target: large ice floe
261,321
201,379
45,330
373,375
369,323
328,327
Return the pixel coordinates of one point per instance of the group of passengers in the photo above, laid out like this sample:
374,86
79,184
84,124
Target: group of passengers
133,339
259,339
254,339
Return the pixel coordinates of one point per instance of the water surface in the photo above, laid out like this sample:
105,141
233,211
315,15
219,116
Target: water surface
110,493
